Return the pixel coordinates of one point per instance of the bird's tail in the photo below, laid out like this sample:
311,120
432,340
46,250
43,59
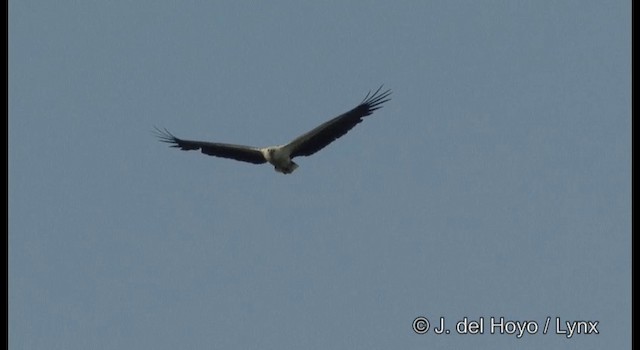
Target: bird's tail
289,168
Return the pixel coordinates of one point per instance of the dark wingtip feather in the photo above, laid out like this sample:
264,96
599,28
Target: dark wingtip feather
165,136
374,101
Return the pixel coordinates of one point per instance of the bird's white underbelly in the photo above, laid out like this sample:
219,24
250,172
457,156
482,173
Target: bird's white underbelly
280,158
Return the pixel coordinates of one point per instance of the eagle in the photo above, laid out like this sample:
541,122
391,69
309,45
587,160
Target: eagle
281,156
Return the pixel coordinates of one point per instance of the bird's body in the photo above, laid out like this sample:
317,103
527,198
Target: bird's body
281,156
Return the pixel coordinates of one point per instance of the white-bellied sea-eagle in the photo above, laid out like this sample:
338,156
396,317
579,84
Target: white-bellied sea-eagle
281,156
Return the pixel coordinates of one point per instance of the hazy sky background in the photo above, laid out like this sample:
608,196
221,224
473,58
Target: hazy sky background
496,182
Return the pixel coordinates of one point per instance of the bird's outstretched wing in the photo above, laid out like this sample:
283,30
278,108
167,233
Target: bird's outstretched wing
224,150
323,135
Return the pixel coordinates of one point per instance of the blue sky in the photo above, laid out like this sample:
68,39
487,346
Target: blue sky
496,182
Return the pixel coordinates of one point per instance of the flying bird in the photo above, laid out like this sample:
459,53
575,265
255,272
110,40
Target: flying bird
281,156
